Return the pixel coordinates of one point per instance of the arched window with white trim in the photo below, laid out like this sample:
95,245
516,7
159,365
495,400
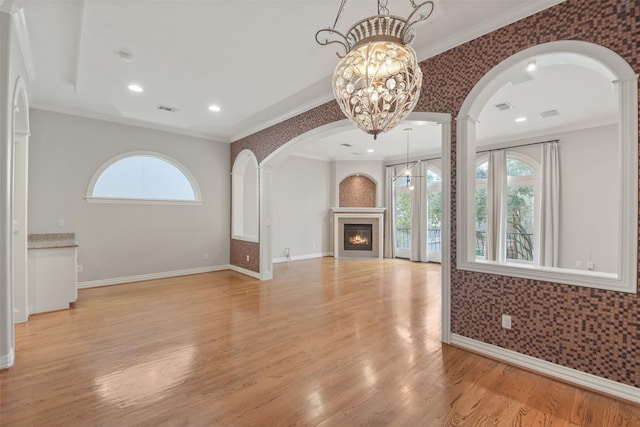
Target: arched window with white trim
143,177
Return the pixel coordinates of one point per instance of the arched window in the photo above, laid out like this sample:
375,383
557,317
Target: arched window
143,177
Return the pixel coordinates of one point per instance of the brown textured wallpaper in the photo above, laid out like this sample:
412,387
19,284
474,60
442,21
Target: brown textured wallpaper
590,330
357,191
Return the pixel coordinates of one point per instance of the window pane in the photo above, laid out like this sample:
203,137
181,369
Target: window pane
481,221
520,211
518,168
433,177
143,177
481,171
403,215
434,218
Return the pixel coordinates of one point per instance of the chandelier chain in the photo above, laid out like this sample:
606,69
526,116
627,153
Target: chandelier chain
382,7
343,3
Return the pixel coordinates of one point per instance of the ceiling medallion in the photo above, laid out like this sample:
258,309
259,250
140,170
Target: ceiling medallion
377,82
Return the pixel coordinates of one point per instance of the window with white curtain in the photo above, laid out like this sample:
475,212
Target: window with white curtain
520,208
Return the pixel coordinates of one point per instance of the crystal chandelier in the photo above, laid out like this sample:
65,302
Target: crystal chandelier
377,82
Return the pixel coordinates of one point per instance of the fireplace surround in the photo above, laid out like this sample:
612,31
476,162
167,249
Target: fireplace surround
358,219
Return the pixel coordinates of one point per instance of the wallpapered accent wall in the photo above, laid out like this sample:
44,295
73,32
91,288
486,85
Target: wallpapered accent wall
591,330
357,191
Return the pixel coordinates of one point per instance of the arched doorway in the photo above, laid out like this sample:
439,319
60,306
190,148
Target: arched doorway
266,195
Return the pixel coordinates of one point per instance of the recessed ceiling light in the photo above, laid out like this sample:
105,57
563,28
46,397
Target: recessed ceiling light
135,88
521,119
370,150
214,108
531,65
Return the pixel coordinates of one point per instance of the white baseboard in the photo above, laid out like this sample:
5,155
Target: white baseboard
300,257
151,276
244,271
589,381
6,360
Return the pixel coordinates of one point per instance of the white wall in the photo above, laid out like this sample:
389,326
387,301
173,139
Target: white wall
590,192
372,169
124,240
301,201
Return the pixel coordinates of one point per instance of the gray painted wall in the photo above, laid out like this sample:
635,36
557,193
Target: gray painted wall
123,240
301,202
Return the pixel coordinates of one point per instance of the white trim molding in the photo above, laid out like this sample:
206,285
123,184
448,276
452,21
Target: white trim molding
246,272
150,276
7,360
563,373
301,257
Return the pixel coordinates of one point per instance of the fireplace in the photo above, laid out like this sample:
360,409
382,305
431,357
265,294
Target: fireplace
358,225
358,237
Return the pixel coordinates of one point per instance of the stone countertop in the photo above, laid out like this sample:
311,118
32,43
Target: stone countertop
51,241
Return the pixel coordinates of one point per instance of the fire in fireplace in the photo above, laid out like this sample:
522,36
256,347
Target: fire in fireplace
358,237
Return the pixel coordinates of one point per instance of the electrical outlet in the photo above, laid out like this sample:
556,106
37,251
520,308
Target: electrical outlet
590,265
79,268
578,264
61,222
247,258
506,321
205,256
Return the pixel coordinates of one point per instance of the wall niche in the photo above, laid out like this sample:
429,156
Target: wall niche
357,191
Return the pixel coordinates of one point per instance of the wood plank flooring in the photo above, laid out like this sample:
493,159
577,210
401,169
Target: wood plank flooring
327,342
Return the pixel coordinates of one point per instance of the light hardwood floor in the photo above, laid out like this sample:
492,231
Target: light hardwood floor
327,342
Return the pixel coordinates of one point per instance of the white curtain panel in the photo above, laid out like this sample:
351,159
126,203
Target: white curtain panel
496,207
549,205
389,216
419,213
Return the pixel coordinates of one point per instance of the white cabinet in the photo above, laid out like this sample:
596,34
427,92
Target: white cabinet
52,279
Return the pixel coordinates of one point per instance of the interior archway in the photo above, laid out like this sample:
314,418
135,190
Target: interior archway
266,195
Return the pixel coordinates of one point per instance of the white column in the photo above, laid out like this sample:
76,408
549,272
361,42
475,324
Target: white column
266,196
6,160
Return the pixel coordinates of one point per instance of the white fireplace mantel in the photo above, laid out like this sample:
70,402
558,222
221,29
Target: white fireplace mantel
358,210
375,215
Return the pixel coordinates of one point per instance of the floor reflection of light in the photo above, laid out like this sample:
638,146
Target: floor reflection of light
404,333
317,404
369,375
147,381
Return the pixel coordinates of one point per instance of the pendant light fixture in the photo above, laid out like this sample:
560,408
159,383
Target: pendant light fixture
406,174
377,82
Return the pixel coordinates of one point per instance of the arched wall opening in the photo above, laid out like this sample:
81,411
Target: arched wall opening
622,82
266,250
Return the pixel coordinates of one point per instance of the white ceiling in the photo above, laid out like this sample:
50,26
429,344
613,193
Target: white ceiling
258,60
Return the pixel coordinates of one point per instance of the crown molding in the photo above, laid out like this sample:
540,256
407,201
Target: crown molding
471,33
129,122
485,27
22,33
279,118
